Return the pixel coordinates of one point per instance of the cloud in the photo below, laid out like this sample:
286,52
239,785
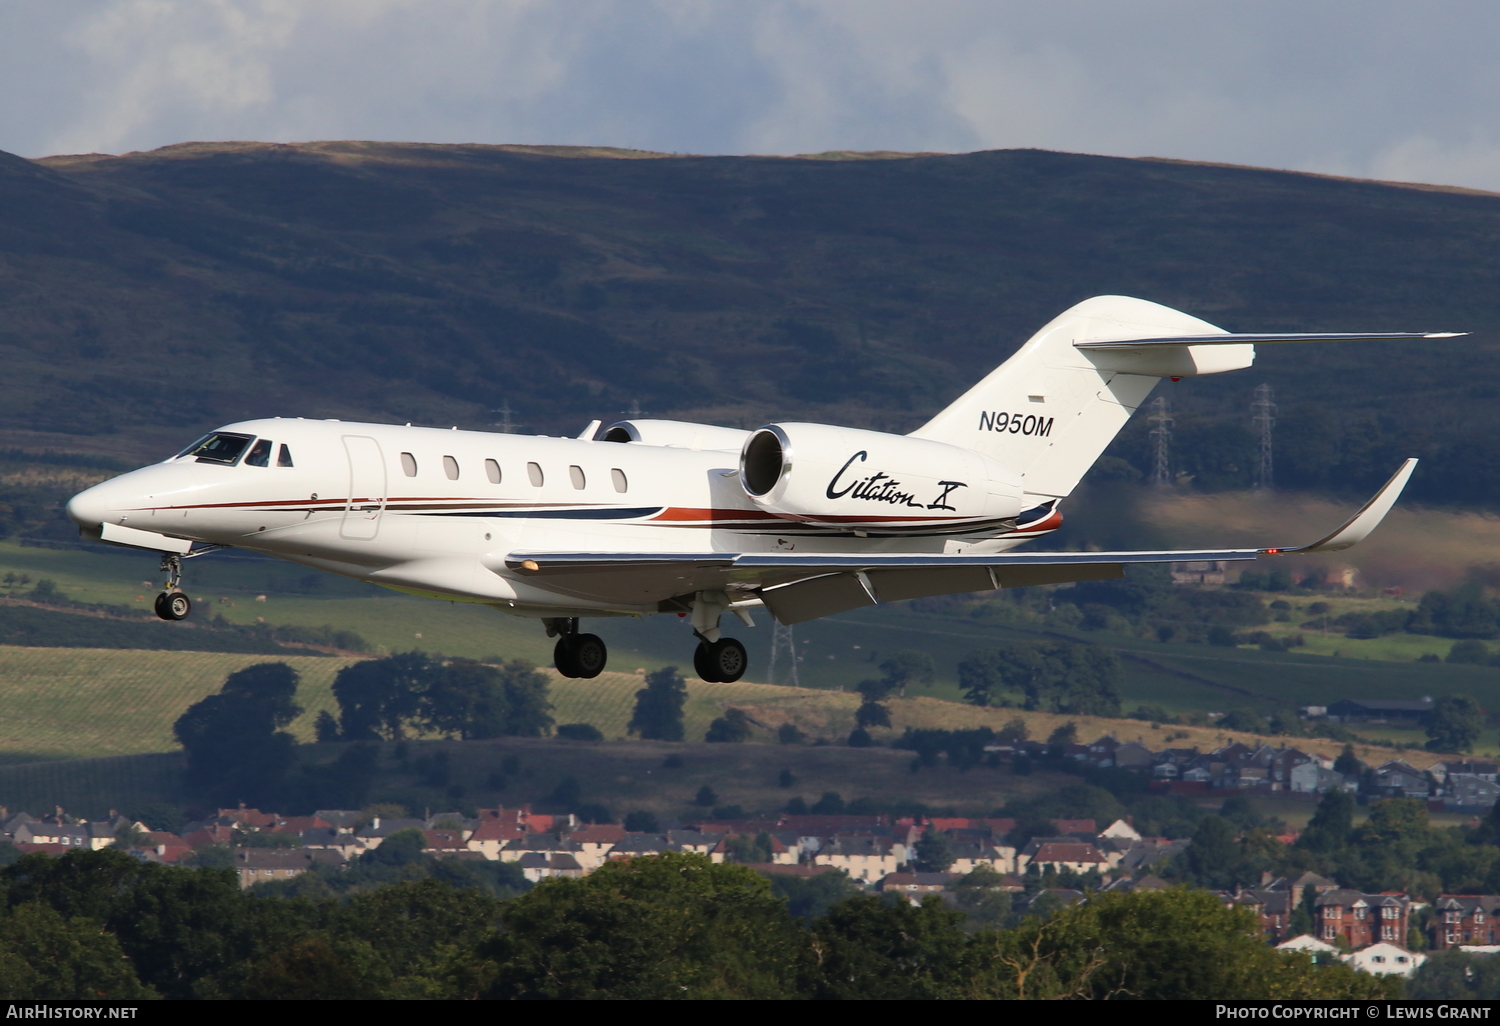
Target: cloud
1364,87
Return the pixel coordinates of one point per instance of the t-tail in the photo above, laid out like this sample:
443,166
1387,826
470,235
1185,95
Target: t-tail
1052,409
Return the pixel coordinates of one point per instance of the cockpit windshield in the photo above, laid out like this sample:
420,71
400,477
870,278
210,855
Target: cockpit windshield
221,447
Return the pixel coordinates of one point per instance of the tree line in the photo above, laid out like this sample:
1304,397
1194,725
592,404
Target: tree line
674,926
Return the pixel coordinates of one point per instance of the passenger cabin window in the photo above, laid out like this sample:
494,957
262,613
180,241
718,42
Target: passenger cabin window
576,475
260,454
284,458
408,464
492,471
534,471
450,468
618,477
221,447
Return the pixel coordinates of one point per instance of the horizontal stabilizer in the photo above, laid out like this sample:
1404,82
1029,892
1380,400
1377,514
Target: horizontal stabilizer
1234,340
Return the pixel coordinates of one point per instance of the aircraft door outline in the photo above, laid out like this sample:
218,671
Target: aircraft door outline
367,488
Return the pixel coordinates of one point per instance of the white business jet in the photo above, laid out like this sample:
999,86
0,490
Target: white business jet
656,516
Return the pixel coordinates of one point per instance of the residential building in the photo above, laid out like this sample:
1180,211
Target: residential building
863,858
1310,778
1461,919
1397,779
1385,959
1361,919
1061,853
543,865
1469,792
1361,710
263,865
915,883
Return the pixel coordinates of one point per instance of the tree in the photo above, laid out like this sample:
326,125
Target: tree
981,675
733,727
46,956
1155,945
831,804
872,949
641,821
1052,676
1348,763
658,706
1455,723
789,734
907,667
580,732
528,707
1214,857
670,926
1012,731
464,699
1066,734
872,714
706,797
859,737
326,727
378,697
934,852
236,750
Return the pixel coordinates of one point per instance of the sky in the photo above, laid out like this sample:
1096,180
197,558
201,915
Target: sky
1370,88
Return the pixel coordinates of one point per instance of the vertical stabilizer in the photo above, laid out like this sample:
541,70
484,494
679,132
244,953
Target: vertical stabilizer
1052,409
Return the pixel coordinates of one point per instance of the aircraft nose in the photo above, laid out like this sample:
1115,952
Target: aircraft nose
88,507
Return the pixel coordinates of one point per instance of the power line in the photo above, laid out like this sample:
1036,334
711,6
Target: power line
1161,441
1263,416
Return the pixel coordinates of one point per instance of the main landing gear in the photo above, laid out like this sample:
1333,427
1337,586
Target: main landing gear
717,659
576,655
173,604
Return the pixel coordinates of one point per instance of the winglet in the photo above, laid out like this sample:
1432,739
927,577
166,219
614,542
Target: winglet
1358,527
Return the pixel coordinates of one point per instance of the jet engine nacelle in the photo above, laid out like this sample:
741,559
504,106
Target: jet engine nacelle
875,483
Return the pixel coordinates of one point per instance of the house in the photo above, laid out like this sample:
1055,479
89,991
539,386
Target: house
1273,907
209,835
444,842
263,865
1360,710
1062,853
1310,778
341,819
1307,942
1469,792
915,883
968,856
1205,573
1484,770
781,854
696,841
248,819
530,844
378,829
1133,755
594,843
89,836
1135,856
1385,959
333,839
1361,919
634,845
1461,919
1397,779
863,858
1101,753
543,865
165,846
1121,830
299,824
493,834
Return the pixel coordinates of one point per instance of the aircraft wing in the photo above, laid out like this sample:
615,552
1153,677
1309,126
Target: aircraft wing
1227,339
799,586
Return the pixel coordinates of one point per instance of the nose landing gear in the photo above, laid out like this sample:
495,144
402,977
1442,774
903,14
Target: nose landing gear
576,655
173,604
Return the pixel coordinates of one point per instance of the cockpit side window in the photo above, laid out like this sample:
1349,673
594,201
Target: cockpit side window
260,454
223,447
284,458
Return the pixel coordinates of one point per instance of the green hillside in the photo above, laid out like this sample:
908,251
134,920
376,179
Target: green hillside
148,296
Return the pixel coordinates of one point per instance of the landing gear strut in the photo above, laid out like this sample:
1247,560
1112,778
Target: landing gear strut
173,604
576,655
717,659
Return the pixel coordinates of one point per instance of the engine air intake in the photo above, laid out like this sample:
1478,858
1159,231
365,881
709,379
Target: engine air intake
763,461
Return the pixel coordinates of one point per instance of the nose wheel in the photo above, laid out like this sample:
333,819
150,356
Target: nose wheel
173,604
720,662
